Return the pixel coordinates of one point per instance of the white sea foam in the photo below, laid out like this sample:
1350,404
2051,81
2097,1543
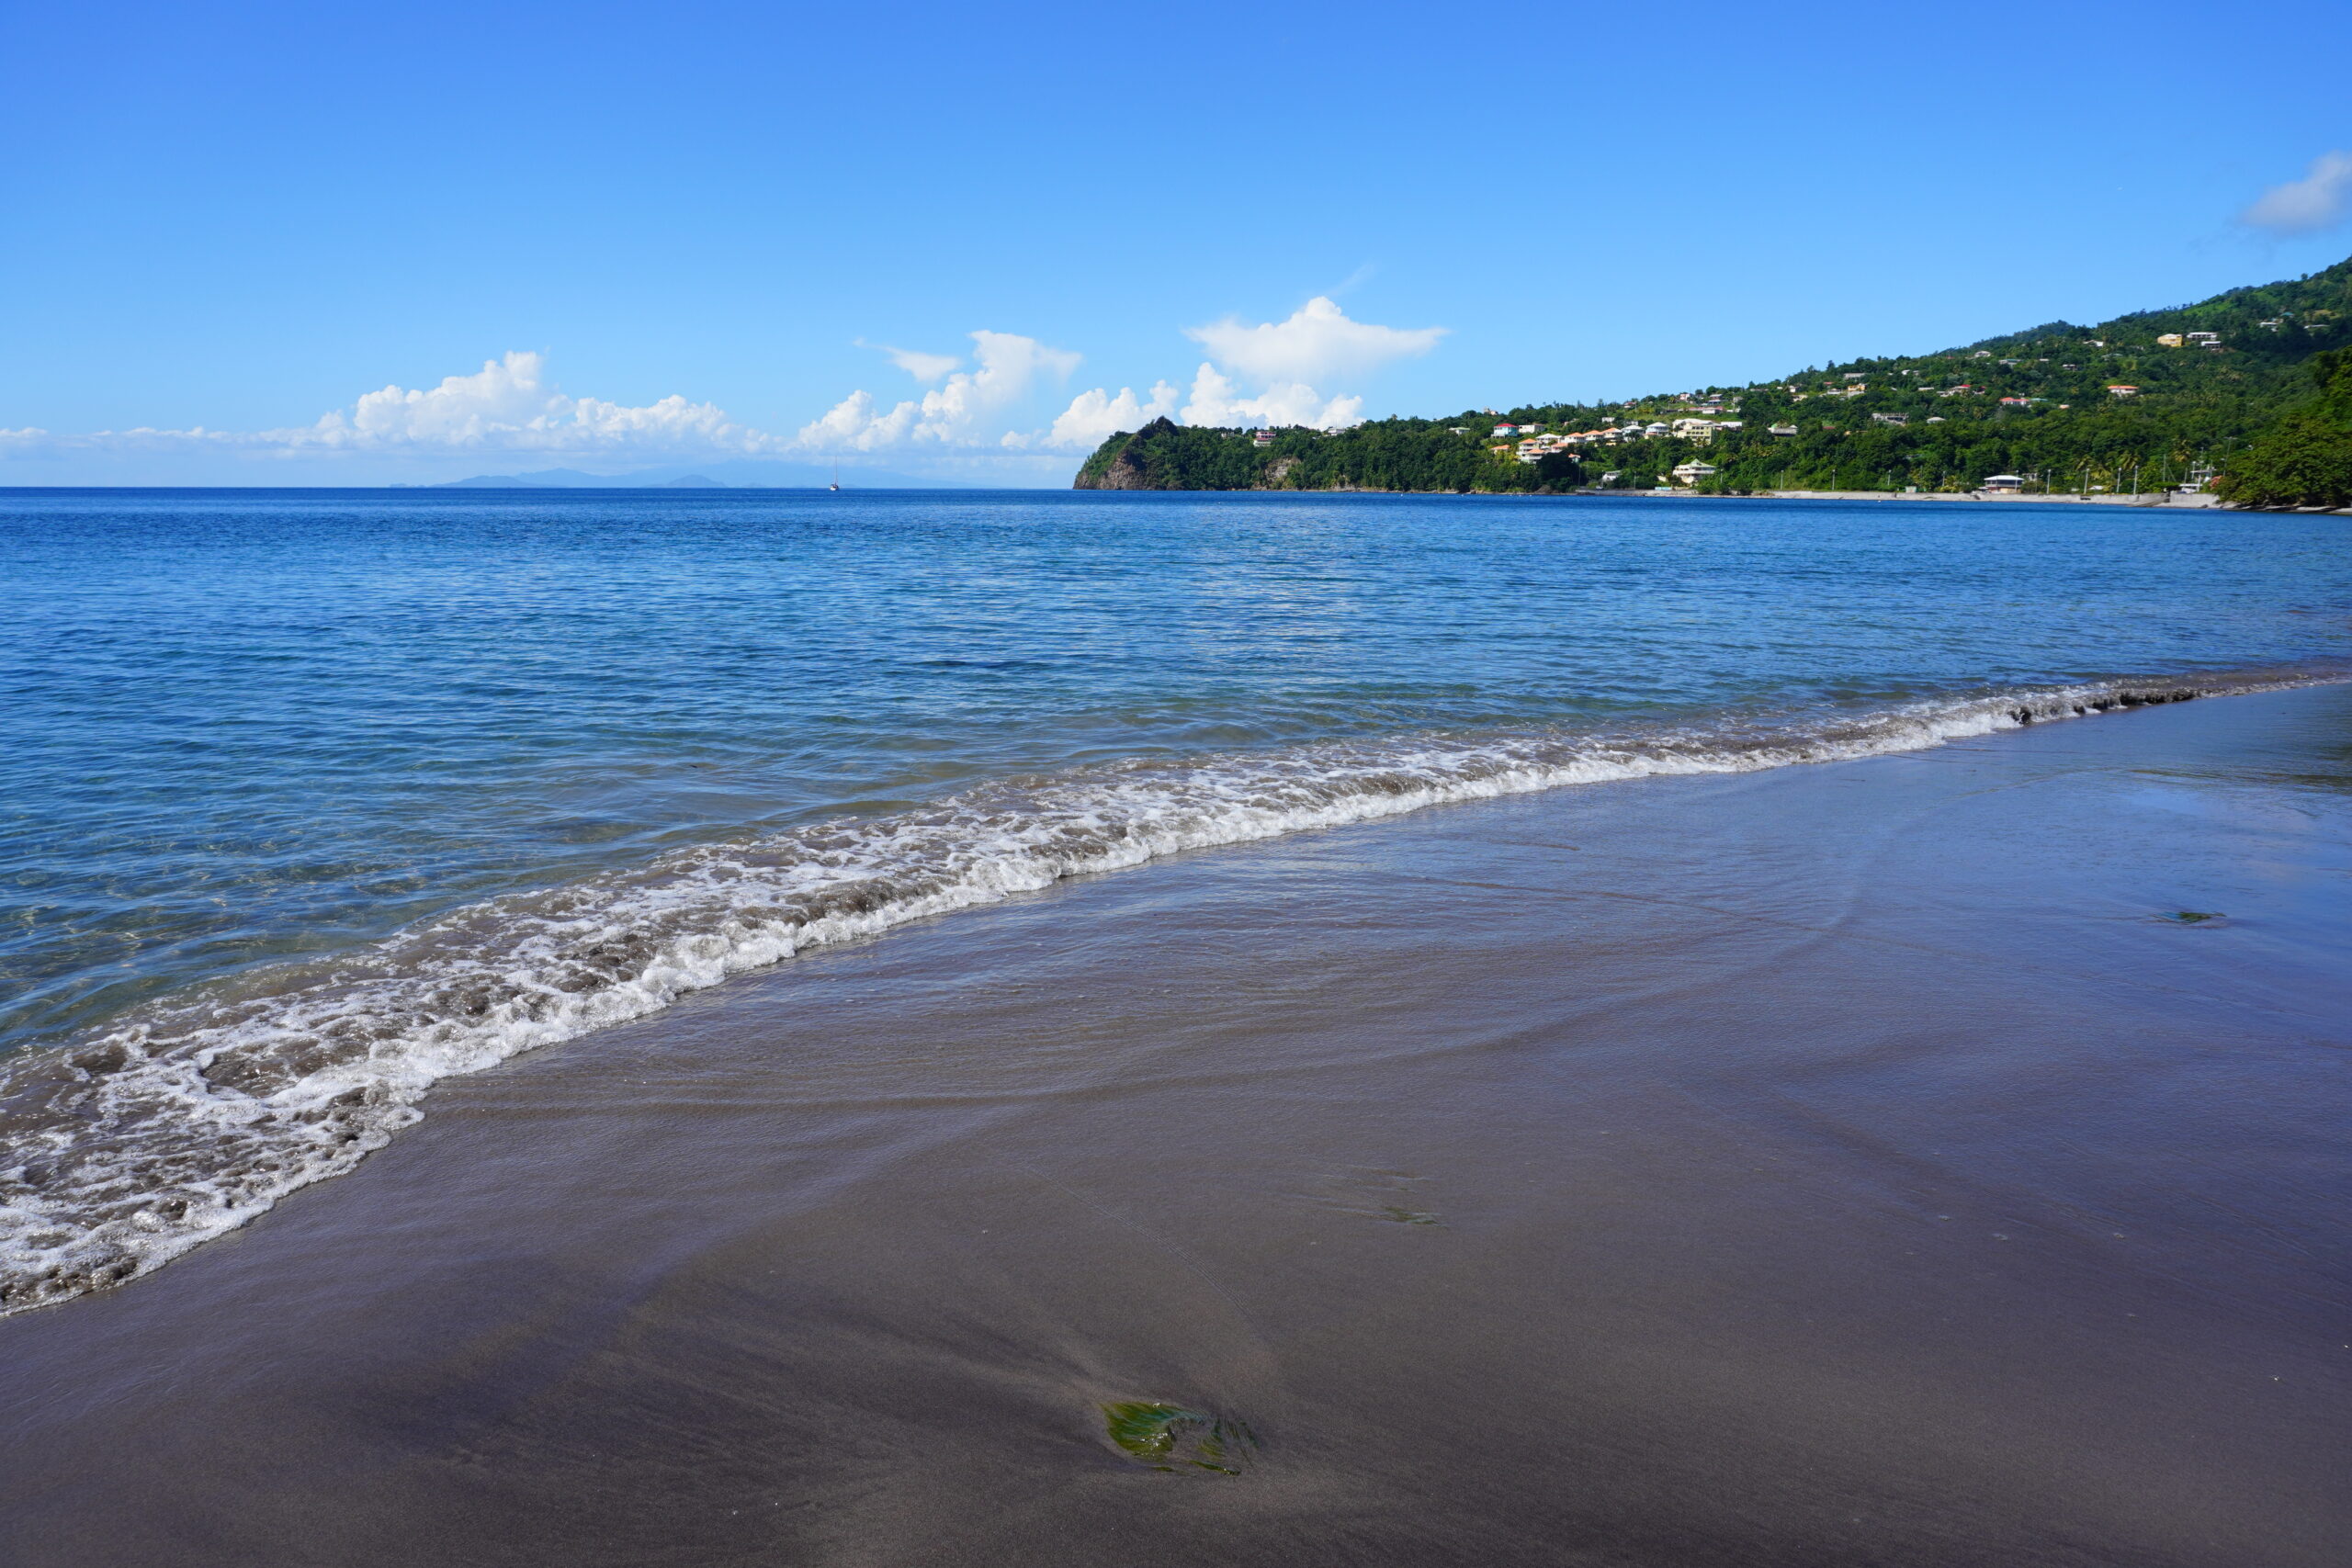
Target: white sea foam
195,1115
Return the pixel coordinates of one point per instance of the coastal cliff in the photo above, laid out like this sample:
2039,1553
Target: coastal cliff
1386,454
1119,463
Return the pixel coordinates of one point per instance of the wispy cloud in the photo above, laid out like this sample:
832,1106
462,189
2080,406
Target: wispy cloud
915,362
2320,199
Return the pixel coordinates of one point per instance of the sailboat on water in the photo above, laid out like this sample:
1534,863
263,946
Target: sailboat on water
837,473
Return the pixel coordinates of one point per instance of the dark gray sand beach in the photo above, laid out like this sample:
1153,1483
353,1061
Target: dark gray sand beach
1860,1164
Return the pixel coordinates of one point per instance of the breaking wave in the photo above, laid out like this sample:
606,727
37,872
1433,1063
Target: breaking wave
197,1114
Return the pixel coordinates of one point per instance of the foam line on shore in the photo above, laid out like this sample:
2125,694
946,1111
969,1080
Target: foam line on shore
197,1114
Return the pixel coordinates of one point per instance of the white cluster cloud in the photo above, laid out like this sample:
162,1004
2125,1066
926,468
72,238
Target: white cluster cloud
2320,199
1093,416
1265,374
1281,360
968,409
1318,342
506,406
1255,375
1215,401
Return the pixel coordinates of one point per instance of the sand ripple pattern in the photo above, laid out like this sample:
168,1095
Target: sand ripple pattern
198,1114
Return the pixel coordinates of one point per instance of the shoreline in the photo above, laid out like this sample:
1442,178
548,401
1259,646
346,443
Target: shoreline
2148,500
181,1124
1822,1167
2142,498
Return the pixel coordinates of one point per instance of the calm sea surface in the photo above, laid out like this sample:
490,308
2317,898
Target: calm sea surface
321,794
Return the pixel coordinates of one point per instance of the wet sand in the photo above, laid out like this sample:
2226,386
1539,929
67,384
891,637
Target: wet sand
1839,1166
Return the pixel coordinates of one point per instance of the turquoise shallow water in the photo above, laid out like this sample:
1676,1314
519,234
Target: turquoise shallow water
247,725
312,797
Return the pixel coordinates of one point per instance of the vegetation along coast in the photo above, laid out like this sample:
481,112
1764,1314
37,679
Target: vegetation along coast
2245,398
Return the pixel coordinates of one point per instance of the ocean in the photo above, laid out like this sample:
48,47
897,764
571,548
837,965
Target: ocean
316,799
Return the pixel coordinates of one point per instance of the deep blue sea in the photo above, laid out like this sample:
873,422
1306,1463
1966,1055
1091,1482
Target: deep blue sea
312,797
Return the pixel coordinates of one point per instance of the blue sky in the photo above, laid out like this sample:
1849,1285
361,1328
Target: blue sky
225,224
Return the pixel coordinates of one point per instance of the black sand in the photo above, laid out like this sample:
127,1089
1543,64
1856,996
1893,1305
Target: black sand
1842,1165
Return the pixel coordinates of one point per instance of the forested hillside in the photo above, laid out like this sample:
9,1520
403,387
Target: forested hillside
2305,458
2146,401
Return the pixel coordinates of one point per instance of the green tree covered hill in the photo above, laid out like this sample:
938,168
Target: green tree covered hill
2040,404
2305,458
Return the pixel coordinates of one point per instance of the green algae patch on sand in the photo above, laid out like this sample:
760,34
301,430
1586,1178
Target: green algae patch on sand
1171,1438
